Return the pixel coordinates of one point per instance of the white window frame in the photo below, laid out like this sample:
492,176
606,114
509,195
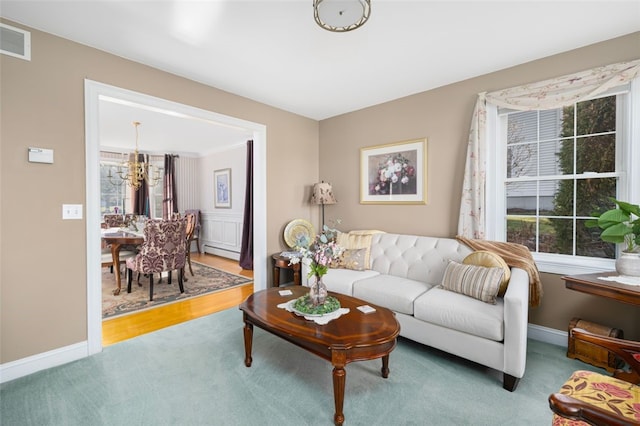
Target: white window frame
158,190
628,156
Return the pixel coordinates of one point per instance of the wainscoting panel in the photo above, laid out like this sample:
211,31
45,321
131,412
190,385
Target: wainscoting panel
222,234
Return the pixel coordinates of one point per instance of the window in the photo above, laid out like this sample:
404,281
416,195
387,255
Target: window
553,169
156,193
114,193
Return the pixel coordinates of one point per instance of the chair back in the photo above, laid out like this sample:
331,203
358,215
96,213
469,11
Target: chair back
196,213
191,225
165,246
113,220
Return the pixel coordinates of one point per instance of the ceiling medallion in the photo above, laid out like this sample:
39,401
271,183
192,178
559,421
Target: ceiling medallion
341,15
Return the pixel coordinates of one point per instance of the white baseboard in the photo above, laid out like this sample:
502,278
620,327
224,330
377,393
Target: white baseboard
25,366
221,252
547,335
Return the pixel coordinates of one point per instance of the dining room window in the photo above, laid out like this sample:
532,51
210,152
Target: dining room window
115,196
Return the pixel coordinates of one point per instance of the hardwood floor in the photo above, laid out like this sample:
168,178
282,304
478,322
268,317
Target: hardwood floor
128,326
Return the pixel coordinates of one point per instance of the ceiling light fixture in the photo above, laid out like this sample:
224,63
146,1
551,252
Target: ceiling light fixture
341,15
135,172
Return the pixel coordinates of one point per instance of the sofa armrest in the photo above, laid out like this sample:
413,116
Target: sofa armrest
516,317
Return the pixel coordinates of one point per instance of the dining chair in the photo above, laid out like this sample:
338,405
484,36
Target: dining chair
164,250
191,226
591,398
196,233
113,220
107,257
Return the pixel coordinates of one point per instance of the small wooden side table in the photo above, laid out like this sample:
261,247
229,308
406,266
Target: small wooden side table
281,262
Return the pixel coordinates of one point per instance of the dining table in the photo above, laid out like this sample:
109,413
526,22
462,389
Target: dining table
117,238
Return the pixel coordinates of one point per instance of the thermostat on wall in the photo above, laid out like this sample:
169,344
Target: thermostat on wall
40,155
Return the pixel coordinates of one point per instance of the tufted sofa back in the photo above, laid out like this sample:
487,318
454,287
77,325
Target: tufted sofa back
417,258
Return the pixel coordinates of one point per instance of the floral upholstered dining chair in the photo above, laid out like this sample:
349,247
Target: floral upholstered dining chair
590,398
113,220
164,250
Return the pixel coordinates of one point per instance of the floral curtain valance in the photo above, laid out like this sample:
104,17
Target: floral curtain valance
548,94
565,90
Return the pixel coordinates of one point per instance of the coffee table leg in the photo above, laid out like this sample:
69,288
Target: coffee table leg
339,379
385,366
248,340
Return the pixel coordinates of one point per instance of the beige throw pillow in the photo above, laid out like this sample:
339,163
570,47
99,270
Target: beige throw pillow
490,260
478,282
351,259
350,241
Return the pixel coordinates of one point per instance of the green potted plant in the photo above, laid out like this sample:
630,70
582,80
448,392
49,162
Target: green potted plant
622,226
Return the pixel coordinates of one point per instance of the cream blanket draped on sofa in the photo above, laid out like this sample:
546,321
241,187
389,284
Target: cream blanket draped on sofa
516,255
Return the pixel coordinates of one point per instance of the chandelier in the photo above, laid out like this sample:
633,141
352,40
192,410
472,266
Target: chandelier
341,15
135,172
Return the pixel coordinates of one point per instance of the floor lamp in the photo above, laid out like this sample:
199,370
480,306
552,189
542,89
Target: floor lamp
323,194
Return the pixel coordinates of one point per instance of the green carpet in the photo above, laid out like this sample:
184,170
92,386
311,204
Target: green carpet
194,374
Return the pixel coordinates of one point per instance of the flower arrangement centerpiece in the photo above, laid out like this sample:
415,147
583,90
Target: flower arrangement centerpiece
318,254
394,174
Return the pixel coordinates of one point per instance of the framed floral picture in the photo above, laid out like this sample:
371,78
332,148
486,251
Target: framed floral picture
395,173
222,188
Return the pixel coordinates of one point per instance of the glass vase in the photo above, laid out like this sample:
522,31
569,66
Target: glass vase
318,292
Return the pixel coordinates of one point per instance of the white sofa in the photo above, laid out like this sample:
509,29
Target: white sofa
405,276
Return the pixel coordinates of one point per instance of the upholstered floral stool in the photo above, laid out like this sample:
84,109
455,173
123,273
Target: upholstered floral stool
604,392
590,398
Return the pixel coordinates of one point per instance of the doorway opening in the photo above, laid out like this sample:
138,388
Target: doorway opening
94,93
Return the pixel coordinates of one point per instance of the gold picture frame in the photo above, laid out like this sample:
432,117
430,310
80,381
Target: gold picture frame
394,173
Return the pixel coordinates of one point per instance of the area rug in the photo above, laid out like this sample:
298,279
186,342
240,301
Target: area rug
205,280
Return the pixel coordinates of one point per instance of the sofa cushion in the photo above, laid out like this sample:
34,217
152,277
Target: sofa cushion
476,281
395,293
463,313
341,280
490,260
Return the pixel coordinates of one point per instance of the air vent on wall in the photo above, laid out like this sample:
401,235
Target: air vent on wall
15,42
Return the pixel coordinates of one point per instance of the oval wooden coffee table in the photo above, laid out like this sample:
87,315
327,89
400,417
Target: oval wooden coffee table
352,337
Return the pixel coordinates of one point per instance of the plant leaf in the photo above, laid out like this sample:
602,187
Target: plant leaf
612,217
615,233
628,207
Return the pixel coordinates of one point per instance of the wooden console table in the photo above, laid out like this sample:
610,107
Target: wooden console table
590,284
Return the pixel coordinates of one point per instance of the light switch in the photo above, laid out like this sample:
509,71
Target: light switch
72,211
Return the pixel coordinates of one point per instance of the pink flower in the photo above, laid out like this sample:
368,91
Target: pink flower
612,390
636,410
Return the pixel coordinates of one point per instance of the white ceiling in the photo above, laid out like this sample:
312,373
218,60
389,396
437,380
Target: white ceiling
272,51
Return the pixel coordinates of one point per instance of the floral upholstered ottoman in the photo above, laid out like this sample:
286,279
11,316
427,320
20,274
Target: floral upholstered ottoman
603,392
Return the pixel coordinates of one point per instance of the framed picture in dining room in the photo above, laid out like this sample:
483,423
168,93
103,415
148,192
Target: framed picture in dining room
222,188
394,173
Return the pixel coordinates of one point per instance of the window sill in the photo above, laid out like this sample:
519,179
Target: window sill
570,265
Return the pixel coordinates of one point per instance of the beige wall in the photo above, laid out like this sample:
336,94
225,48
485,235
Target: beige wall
443,116
43,302
43,259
